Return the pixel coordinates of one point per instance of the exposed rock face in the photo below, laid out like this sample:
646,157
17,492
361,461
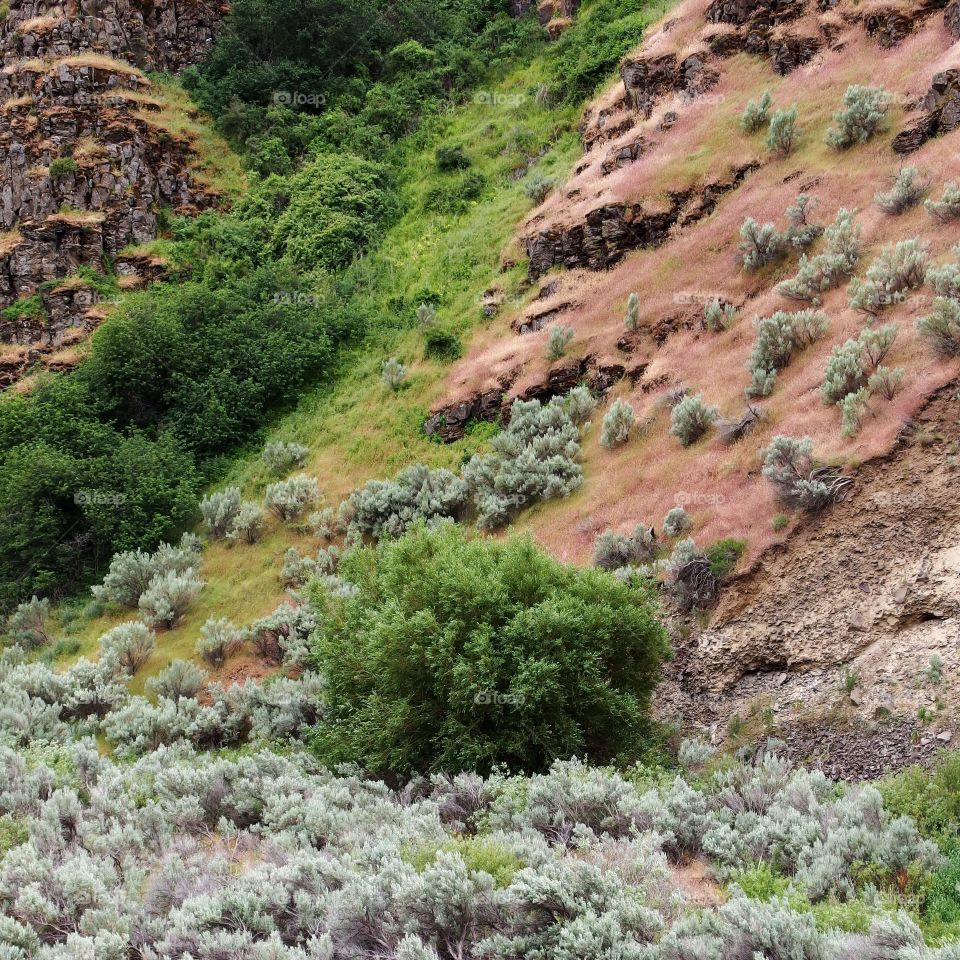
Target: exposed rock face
555,15
646,81
608,232
449,423
867,591
880,571
160,35
758,28
941,108
891,24
951,18
86,163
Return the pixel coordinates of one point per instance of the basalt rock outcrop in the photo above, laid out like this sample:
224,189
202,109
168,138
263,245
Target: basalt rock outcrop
648,80
88,157
606,234
157,35
555,15
449,423
941,113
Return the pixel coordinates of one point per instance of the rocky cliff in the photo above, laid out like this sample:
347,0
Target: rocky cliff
91,153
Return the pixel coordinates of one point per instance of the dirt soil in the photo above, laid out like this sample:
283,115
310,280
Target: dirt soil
856,620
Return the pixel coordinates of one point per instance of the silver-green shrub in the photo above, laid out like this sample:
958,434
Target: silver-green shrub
941,327
886,381
853,408
219,510
248,524
289,498
718,316
618,422
863,114
851,364
28,624
845,372
181,679
612,550
802,231
130,572
756,114
632,317
282,456
323,523
387,507
580,404
219,640
783,131
558,340
535,458
906,191
760,245
676,521
945,279
779,337
129,645
947,208
815,275
168,597
898,269
788,466
691,418
393,373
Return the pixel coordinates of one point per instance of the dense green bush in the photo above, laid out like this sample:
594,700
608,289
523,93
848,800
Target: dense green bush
452,158
337,205
459,653
582,58
62,167
442,345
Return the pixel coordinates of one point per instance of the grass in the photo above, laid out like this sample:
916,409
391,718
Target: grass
360,429
170,110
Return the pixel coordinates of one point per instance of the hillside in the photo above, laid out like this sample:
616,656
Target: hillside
478,480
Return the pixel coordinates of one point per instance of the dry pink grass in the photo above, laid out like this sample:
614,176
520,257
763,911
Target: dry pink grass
722,485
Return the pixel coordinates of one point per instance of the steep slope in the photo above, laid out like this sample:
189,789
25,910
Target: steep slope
655,207
863,596
95,152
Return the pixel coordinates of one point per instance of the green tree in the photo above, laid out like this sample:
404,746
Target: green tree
459,653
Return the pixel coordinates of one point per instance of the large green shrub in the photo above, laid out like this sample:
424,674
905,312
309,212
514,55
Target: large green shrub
337,205
459,653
